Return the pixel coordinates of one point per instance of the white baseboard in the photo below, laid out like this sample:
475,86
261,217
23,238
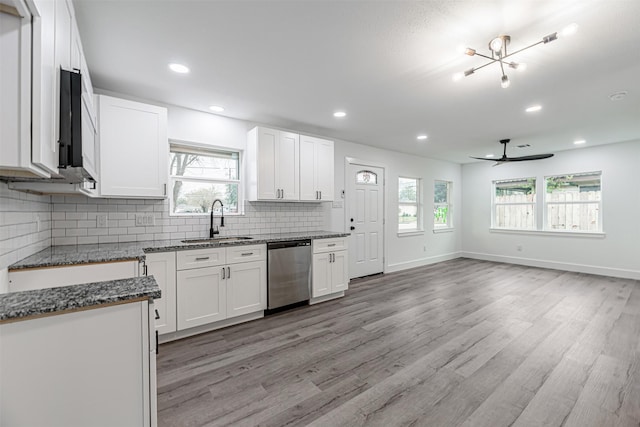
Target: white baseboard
391,268
555,265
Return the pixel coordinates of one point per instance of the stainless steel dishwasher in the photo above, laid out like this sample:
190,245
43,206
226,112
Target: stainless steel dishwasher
289,273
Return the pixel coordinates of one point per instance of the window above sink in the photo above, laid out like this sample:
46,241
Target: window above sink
199,175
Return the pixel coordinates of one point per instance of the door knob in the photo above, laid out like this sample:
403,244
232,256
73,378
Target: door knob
352,227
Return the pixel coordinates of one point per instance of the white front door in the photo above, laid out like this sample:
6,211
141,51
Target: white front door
365,219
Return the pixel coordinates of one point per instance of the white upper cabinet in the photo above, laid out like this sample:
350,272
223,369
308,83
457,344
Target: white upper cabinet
273,161
133,149
35,45
316,169
15,92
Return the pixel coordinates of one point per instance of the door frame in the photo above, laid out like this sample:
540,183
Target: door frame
348,161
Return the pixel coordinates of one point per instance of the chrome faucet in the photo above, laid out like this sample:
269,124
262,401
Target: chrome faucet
212,231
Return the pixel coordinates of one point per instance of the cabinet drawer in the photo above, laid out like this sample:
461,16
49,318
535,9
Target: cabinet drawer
329,245
246,253
198,258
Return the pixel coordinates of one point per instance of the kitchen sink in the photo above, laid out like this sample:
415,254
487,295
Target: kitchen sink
218,239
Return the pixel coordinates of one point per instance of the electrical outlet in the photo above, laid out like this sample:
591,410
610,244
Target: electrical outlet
145,220
101,220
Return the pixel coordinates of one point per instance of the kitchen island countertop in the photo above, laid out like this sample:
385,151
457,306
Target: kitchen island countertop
24,305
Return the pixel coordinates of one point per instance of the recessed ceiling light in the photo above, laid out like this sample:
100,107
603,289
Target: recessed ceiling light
216,109
422,137
179,68
339,114
533,108
618,96
579,142
488,155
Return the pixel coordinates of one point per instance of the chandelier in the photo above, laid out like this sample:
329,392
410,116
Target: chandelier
499,54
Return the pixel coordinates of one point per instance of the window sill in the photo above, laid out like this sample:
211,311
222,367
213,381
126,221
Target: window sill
443,230
586,234
410,233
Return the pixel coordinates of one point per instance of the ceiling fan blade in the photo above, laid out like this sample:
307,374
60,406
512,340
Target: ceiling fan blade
532,157
484,158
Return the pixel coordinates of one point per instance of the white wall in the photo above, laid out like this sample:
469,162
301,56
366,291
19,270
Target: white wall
406,251
615,254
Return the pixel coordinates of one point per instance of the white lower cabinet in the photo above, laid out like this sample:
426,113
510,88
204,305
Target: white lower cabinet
94,367
330,267
246,288
202,296
162,266
220,283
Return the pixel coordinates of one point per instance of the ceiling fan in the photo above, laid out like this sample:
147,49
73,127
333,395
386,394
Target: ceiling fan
504,157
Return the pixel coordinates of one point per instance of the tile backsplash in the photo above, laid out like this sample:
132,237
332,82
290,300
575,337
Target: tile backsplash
75,220
25,224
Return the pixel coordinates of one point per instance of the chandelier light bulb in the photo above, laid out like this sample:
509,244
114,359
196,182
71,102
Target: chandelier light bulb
496,45
569,30
505,81
457,76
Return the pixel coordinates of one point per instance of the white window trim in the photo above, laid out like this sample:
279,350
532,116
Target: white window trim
546,203
420,220
437,228
205,148
536,222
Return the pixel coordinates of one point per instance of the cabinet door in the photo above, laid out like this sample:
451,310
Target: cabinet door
133,149
287,166
89,140
201,295
323,169
308,190
246,288
162,266
46,82
321,275
266,163
339,272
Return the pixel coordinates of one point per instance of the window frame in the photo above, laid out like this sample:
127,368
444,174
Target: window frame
449,222
174,146
418,204
545,204
534,202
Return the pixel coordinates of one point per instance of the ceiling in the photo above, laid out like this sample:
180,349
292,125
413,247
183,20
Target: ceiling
388,64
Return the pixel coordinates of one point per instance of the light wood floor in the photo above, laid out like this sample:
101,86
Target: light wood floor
462,342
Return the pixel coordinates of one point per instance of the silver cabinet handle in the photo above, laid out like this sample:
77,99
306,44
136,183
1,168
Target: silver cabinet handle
331,245
202,258
317,195
247,253
320,194
223,273
228,272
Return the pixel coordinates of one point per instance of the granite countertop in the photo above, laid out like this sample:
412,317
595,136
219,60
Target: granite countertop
135,251
26,304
